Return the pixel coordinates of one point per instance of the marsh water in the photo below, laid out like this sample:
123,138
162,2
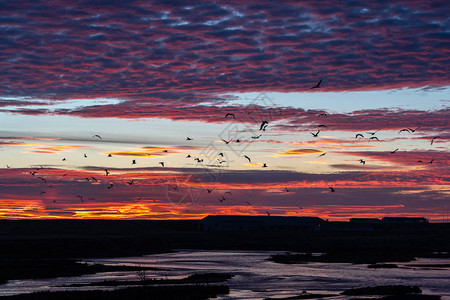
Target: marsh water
255,277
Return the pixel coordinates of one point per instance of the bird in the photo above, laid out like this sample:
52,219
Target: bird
362,161
315,134
188,156
248,203
80,197
372,133
263,123
42,193
222,199
322,125
264,128
106,172
32,173
373,138
286,189
331,189
268,213
264,165
209,191
431,161
226,142
43,179
133,162
413,130
321,154
87,179
165,151
97,136
64,159
228,193
256,136
322,114
404,129
317,85
432,140
110,186
130,182
110,155
64,175
419,161
220,154
85,156
188,139
93,178
394,151
199,160
359,134
249,160
220,161
161,163
229,114
238,141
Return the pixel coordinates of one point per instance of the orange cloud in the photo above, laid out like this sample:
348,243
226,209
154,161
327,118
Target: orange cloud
301,152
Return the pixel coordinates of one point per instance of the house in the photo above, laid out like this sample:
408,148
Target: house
403,220
236,223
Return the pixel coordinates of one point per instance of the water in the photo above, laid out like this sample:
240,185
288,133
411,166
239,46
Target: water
255,276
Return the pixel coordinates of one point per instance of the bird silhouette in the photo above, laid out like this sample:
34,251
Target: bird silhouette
106,172
321,154
394,151
432,140
226,142
264,165
64,159
268,213
263,123
222,199
229,114
248,203
362,161
322,126
220,154
372,133
161,163
133,162
373,138
286,189
331,189
97,136
93,178
322,115
43,179
130,182
220,161
264,127
42,193
85,156
317,85
315,134
404,129
188,156
209,191
413,130
80,197
431,161
249,160
256,136
199,160
188,139
110,155
110,186
359,134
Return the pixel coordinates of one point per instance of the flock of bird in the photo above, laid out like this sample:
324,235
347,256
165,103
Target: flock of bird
220,156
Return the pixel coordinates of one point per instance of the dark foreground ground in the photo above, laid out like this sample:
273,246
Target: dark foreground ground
25,239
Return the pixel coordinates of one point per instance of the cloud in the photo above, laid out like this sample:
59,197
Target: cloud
139,51
301,152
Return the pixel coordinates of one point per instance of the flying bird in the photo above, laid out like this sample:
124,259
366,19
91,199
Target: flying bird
432,140
264,128
317,85
264,165
222,199
362,161
413,130
315,134
249,160
322,114
42,193
359,134
404,129
394,151
161,163
431,161
110,155
286,189
85,156
248,203
93,178
372,133
331,189
322,125
106,172
228,114
188,139
64,159
373,138
220,154
130,182
81,198
321,154
43,179
110,186
268,213
256,136
263,123
133,162
209,191
97,136
226,142
188,156
198,159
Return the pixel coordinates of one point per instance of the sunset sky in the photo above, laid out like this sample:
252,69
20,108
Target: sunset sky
84,80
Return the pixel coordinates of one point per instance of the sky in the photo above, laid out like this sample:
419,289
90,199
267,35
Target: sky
118,109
